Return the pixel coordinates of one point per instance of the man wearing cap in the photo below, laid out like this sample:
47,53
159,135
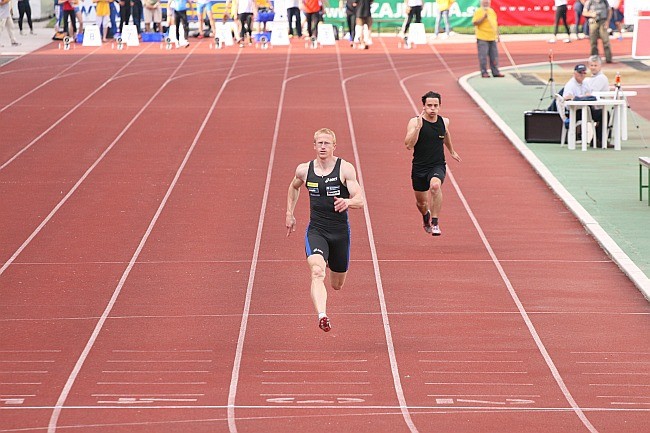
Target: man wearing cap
578,87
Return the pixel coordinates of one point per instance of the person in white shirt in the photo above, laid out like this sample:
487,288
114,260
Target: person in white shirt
7,20
560,14
598,81
414,11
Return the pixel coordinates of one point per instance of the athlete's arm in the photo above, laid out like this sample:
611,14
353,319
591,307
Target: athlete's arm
447,141
412,131
293,194
349,179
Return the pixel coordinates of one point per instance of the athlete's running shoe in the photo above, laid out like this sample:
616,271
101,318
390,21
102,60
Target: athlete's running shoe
426,222
435,231
324,324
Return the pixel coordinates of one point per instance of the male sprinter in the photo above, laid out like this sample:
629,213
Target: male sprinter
425,135
333,189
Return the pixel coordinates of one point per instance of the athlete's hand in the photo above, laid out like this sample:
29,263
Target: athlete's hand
340,204
455,156
419,120
291,224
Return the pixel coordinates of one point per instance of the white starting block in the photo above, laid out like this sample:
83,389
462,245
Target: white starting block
263,43
92,38
417,35
130,35
311,43
171,37
326,34
224,32
280,33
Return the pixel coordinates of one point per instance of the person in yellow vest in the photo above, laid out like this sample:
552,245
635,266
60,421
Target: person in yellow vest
443,13
486,28
102,14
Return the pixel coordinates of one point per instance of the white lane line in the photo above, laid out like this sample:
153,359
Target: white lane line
21,383
85,175
316,371
153,371
314,351
24,372
480,383
161,351
453,361
319,394
130,394
511,290
316,383
48,80
618,374
100,323
397,383
613,362
70,111
150,383
475,372
486,395
161,361
30,351
316,361
234,379
611,353
622,385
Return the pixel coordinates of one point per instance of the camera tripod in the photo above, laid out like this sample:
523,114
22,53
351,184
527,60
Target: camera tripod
550,84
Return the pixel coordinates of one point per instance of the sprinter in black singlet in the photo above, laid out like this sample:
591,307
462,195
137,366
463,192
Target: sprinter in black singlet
428,135
333,189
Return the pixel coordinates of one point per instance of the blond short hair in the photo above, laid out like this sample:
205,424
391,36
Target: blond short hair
325,131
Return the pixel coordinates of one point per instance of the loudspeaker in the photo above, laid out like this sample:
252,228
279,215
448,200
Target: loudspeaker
542,127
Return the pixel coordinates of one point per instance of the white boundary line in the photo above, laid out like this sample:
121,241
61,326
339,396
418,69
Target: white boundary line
234,379
511,290
375,262
71,110
100,323
606,242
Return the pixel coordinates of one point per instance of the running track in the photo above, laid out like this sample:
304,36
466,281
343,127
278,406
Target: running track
148,286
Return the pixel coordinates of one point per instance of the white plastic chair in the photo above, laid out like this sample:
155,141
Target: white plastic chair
591,127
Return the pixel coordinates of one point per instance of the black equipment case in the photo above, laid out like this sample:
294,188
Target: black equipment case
542,126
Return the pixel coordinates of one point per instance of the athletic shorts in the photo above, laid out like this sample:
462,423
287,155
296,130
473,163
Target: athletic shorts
333,245
421,178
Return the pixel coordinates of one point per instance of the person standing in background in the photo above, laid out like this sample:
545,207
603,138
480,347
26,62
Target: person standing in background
7,21
443,13
581,29
414,11
560,14
486,27
24,9
599,14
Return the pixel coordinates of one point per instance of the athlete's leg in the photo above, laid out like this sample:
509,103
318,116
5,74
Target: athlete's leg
423,201
435,190
317,266
337,279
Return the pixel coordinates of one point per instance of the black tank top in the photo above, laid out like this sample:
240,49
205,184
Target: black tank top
322,190
429,150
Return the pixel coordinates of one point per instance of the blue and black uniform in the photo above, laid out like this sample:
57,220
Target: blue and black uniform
328,233
429,155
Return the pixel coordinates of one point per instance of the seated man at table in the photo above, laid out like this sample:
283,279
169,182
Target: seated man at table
578,87
598,81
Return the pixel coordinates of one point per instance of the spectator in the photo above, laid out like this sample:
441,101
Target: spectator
136,13
364,23
25,9
312,10
443,13
125,13
616,22
599,13
180,18
414,11
487,34
69,13
152,14
578,87
580,30
7,21
293,11
102,14
560,14
78,13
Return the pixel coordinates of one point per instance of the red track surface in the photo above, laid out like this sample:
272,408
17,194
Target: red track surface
147,284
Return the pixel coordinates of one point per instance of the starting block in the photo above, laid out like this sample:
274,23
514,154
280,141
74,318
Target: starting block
66,41
311,43
326,34
92,38
218,43
130,35
263,42
118,43
417,34
280,33
405,43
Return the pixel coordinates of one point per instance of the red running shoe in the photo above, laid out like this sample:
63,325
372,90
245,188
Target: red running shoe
324,324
